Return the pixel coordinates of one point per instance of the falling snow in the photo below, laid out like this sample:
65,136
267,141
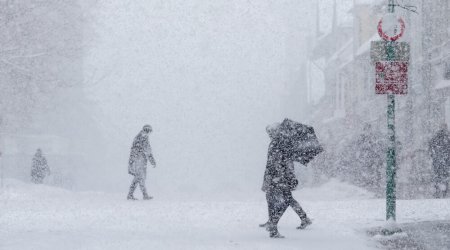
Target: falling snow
285,96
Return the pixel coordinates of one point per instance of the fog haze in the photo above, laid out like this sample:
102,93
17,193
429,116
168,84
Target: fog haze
207,76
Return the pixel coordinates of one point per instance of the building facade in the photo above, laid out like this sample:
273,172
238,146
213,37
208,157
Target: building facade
349,101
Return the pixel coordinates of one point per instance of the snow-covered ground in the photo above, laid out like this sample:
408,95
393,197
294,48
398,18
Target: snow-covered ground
43,217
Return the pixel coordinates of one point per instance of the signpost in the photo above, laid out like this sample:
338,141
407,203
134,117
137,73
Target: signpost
391,77
379,51
391,60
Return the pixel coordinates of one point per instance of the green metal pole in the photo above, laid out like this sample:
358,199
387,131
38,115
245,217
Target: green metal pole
391,157
391,160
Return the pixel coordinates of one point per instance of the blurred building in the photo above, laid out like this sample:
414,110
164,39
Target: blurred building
41,101
349,100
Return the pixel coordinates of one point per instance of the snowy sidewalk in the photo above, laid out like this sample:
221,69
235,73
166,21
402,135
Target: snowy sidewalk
427,235
49,218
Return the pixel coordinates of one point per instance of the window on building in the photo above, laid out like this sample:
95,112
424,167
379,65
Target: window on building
447,110
447,71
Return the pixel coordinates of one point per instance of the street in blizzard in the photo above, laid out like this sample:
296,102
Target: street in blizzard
275,125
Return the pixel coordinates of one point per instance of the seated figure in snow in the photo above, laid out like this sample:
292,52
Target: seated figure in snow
39,168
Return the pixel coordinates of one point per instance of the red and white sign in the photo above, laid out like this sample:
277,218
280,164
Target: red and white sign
385,36
391,77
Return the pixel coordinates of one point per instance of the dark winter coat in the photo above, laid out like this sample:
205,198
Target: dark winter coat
279,168
439,147
140,154
39,168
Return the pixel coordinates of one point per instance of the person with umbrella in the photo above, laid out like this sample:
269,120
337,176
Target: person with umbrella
272,131
293,142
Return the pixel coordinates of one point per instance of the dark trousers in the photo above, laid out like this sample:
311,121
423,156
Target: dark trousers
441,188
37,179
138,179
278,200
441,179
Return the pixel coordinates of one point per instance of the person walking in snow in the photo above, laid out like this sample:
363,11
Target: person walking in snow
272,131
140,154
439,148
39,168
279,181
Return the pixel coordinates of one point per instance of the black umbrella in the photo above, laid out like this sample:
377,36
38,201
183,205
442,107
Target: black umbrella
298,141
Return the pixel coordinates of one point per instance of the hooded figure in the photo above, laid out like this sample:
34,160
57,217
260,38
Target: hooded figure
39,168
279,181
439,148
140,154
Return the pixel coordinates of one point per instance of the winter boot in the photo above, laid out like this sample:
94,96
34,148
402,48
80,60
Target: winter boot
130,197
276,235
273,230
146,197
305,222
264,224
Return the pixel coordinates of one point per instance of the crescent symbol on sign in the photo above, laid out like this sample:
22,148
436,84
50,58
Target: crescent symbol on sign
391,38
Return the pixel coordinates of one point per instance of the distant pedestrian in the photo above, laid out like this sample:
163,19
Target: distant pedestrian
439,148
39,168
279,181
140,154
